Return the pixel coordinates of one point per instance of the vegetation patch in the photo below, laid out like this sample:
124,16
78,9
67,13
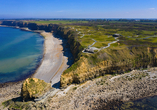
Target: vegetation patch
34,88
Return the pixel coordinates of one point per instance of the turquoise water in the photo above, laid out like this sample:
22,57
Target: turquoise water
20,53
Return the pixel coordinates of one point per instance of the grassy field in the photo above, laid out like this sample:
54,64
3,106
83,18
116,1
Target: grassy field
102,34
58,22
87,35
134,48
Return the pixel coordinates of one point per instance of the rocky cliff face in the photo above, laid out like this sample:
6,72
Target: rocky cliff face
33,88
75,46
117,61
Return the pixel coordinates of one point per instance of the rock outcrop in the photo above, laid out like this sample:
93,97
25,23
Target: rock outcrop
33,88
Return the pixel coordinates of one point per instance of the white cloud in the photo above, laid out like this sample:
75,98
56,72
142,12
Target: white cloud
60,11
152,8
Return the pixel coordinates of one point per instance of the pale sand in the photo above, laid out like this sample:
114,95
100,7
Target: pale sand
54,63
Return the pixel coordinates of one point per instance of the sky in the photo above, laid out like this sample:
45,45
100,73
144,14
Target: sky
78,9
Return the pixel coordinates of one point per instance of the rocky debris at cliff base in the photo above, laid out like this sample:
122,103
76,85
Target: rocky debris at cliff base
103,93
10,90
63,92
99,93
34,88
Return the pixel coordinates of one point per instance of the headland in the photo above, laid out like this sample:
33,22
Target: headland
100,75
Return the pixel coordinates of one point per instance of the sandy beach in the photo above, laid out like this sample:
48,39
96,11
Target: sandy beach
53,62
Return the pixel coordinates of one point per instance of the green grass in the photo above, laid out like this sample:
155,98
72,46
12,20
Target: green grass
103,35
90,33
152,39
85,42
100,44
73,67
117,47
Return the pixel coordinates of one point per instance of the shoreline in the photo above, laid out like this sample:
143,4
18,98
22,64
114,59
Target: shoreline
11,90
31,72
105,90
47,66
37,73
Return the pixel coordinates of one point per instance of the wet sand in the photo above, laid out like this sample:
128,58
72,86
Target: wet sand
53,63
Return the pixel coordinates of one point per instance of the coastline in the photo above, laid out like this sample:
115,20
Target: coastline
12,89
31,72
52,58
52,47
98,97
56,66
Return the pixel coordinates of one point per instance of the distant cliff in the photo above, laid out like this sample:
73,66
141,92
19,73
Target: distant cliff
32,26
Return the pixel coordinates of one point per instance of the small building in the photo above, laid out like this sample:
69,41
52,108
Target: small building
89,50
116,35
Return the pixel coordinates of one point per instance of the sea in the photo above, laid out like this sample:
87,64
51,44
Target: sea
21,53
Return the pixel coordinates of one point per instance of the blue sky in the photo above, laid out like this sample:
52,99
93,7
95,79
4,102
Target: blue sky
78,8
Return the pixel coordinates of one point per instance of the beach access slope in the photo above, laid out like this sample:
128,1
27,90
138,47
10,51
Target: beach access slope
53,62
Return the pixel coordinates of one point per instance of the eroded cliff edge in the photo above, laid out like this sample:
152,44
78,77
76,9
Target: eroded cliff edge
108,61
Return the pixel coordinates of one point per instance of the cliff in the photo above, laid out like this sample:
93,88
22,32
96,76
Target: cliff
32,26
75,47
33,88
110,62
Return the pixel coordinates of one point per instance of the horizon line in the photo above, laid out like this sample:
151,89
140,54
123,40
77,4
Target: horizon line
74,18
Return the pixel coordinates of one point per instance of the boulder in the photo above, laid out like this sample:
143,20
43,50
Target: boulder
33,88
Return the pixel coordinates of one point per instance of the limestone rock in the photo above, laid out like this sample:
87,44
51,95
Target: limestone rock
33,88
